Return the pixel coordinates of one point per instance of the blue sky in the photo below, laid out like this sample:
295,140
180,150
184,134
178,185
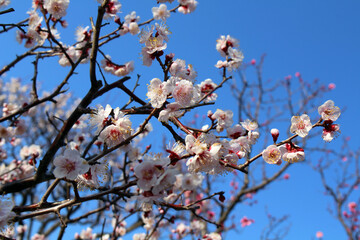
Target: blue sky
318,38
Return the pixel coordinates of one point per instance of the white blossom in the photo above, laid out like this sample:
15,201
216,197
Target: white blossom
70,165
300,125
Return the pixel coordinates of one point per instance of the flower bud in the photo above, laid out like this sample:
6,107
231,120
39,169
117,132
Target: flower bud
275,134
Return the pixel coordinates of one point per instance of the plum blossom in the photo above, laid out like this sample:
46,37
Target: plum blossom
90,179
158,92
275,134
130,24
330,131
171,110
235,59
189,181
155,44
4,3
70,165
31,38
212,236
352,207
72,53
6,205
112,8
246,221
34,20
300,125
223,44
160,12
272,154
149,170
205,159
117,70
162,30
57,8
118,130
100,117
236,131
328,111
183,93
292,153
224,119
319,234
34,151
178,69
187,6
206,87
87,234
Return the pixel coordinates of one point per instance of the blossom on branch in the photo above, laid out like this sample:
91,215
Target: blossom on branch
160,12
158,92
187,6
300,125
292,153
57,8
328,111
272,155
246,221
70,165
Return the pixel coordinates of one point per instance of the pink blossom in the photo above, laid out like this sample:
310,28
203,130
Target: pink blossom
275,134
171,110
57,8
271,154
236,131
183,93
178,69
100,117
330,130
70,165
331,86
292,153
319,234
161,12
352,207
148,172
246,221
158,92
224,43
300,125
224,119
206,87
112,8
187,6
328,111
4,3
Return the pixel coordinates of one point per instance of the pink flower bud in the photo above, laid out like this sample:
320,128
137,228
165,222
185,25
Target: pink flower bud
331,86
297,74
319,234
275,134
286,176
253,62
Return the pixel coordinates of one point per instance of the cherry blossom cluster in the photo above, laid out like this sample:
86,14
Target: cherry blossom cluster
301,125
210,154
352,216
227,47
